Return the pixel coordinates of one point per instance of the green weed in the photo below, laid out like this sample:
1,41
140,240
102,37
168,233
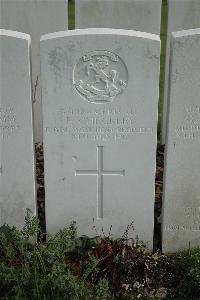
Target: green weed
30,269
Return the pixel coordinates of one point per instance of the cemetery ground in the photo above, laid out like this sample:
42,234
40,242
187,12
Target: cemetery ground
65,266
36,266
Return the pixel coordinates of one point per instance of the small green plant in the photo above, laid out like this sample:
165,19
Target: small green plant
69,267
191,263
31,227
30,269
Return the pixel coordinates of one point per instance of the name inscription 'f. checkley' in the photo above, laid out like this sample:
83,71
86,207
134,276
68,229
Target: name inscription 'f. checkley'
100,173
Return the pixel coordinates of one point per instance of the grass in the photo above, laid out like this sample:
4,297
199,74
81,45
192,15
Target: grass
71,14
163,36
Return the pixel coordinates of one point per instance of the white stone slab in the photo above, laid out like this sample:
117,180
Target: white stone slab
17,182
35,17
140,15
182,15
181,208
100,113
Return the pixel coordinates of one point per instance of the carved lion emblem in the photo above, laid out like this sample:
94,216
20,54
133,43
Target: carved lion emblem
100,76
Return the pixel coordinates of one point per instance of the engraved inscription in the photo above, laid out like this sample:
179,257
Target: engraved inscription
100,76
182,227
8,122
81,124
100,173
191,220
189,128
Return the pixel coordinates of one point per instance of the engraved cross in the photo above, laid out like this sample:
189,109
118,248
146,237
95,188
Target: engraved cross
100,173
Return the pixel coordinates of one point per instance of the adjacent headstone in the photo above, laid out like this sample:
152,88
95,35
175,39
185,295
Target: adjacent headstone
17,182
140,15
182,15
100,93
35,17
181,209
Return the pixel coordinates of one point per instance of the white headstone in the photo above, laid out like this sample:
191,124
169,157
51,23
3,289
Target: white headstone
181,208
35,17
182,15
17,182
140,15
100,112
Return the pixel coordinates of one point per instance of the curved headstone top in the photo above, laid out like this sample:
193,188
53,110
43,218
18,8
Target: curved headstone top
16,34
99,31
186,33
34,17
182,15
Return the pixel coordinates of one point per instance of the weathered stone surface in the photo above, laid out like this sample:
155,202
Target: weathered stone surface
181,209
182,15
17,186
35,17
141,15
100,112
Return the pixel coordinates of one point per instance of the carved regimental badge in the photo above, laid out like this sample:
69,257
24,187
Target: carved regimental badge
100,76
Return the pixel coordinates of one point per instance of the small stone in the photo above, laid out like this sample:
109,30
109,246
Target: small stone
136,285
161,293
